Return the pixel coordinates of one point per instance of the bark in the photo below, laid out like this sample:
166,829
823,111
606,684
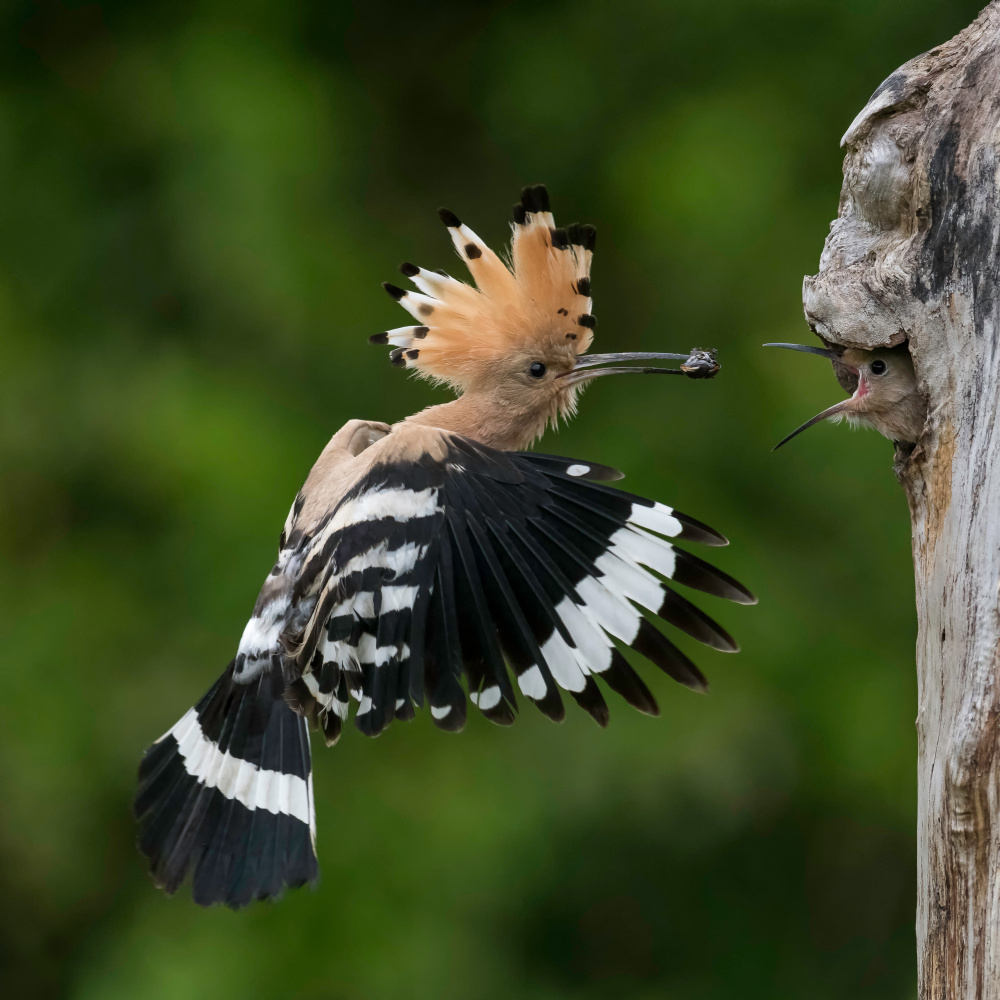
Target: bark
913,256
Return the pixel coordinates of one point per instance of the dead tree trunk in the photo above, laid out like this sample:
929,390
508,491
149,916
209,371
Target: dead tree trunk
913,256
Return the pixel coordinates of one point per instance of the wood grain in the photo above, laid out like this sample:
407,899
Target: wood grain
914,255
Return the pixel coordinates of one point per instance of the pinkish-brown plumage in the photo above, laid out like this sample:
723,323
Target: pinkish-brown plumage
533,304
886,396
511,347
431,563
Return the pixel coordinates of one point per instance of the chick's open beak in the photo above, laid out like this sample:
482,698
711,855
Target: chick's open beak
823,352
831,411
834,411
697,364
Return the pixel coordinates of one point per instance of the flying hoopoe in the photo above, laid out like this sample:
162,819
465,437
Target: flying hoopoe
885,397
429,550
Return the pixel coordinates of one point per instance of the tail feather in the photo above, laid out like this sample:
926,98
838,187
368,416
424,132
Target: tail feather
227,792
275,843
214,870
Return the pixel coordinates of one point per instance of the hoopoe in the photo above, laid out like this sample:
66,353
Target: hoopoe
429,551
885,397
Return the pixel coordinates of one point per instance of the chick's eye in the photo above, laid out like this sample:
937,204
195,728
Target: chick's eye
878,367
537,370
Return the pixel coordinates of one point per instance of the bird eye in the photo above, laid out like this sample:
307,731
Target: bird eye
537,370
878,367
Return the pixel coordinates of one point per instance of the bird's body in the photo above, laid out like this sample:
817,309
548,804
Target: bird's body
429,552
888,402
883,387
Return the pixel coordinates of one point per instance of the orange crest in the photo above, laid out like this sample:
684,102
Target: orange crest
539,301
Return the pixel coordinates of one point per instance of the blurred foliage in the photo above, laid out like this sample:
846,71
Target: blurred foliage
200,198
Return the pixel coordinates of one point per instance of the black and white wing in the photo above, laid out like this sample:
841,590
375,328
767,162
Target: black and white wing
433,570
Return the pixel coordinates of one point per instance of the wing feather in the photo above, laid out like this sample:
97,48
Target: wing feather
475,561
489,684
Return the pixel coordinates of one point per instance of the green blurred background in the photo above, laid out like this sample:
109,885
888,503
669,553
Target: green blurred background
199,200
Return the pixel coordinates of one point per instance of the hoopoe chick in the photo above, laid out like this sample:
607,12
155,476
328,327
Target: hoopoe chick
431,558
886,398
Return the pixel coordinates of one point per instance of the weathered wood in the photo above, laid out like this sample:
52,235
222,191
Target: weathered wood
913,256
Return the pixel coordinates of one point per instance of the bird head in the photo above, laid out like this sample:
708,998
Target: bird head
886,396
515,344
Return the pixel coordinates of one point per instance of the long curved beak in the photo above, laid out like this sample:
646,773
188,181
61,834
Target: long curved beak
579,372
832,411
823,352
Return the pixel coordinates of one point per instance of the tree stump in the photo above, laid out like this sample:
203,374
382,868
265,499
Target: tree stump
913,256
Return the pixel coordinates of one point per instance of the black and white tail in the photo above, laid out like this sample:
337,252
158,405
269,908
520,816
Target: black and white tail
227,792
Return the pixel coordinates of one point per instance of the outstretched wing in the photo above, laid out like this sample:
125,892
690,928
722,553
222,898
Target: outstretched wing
464,566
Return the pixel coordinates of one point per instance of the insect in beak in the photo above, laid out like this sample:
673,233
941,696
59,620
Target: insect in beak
698,364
